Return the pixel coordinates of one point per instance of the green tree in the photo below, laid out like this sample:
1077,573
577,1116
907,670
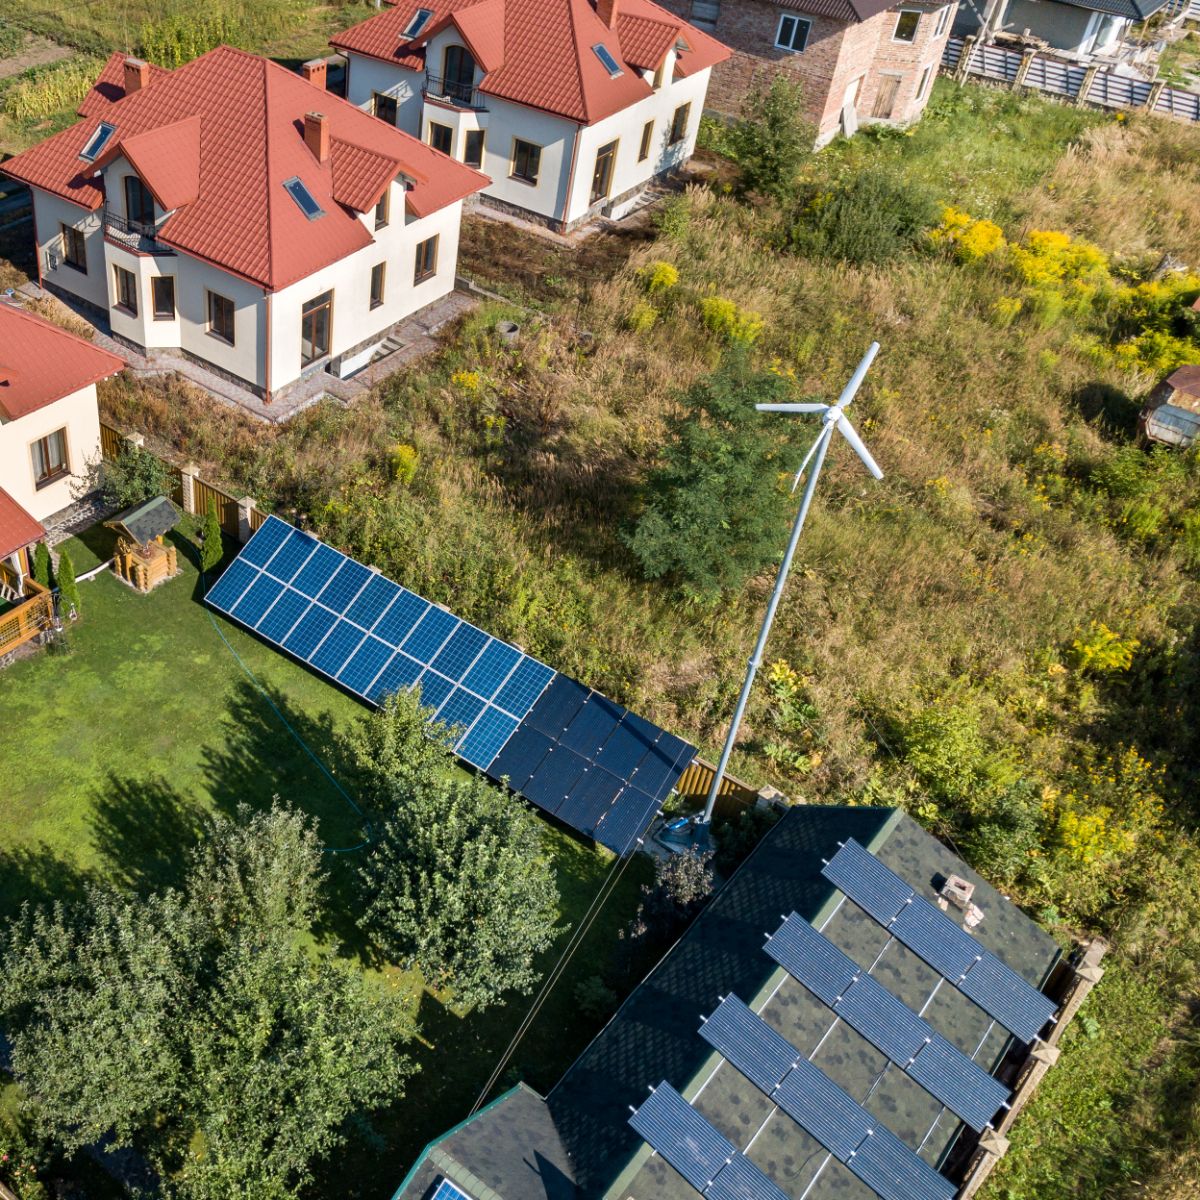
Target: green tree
714,513
135,475
211,547
196,1025
457,883
68,589
771,144
41,564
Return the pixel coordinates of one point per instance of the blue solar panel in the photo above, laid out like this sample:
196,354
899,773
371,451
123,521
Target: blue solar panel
266,541
457,656
821,1108
491,669
961,1085
929,933
256,599
309,631
620,827
682,1136
434,689
871,885
740,1179
342,641
340,591
893,1172
366,662
482,743
235,579
460,710
402,672
1003,994
396,624
447,1191
283,615
318,571
372,601
291,556
811,958
429,634
747,1041
883,1019
523,687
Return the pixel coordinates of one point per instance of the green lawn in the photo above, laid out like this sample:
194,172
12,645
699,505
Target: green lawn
122,740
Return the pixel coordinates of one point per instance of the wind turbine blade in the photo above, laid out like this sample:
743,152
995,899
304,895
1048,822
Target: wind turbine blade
851,435
808,457
792,408
860,373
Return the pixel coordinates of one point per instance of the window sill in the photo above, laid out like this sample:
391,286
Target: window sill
125,310
522,179
50,480
422,278
380,225
172,317
82,270
216,337
376,304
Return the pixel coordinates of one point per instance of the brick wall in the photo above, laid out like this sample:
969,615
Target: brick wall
907,60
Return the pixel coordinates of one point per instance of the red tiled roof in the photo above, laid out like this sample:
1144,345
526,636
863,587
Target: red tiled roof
250,113
17,527
167,159
359,176
41,363
545,49
110,85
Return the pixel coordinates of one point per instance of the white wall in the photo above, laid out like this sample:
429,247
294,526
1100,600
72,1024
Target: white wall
77,413
50,213
366,76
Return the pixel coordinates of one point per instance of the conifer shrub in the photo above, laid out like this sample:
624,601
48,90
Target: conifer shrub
68,589
41,564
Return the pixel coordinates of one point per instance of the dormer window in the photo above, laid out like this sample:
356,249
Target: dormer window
417,24
97,142
607,61
304,198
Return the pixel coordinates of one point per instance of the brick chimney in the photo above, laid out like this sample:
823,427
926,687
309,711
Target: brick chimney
314,72
316,135
137,75
606,10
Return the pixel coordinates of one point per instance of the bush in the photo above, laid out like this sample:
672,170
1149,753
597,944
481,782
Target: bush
658,277
870,218
403,463
771,145
596,1000
134,476
68,589
736,837
642,317
970,239
735,325
41,564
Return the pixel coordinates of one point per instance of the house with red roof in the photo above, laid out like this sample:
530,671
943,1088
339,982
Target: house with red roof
49,424
571,108
240,214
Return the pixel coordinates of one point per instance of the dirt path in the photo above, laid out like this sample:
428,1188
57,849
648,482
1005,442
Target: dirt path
37,52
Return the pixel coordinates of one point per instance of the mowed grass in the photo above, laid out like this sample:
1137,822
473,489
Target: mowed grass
121,741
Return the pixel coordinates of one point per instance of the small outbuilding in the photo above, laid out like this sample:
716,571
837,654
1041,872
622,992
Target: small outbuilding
142,558
1171,415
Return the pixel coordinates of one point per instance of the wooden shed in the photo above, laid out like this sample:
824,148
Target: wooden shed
142,558
1172,413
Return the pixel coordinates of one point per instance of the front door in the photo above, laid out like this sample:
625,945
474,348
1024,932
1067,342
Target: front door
602,176
459,74
316,318
885,98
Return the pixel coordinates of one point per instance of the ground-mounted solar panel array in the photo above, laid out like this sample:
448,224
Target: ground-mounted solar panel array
575,754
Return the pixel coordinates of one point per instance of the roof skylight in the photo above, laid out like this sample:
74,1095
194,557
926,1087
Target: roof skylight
97,142
303,198
609,63
418,23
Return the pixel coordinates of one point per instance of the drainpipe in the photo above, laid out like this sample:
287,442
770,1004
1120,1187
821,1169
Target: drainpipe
571,176
267,352
37,241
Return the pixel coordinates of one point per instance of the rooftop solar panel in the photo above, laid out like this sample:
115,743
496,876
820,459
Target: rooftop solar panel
374,638
883,1019
961,1085
747,1041
448,1191
740,1179
929,933
811,958
682,1136
824,1110
1003,994
871,885
893,1172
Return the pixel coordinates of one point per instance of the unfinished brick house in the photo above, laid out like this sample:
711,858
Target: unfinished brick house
859,61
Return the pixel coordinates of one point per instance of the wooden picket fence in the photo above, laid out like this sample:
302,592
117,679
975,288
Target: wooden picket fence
31,618
733,798
204,494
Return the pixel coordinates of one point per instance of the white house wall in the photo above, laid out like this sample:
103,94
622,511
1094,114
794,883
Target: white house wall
50,213
77,413
366,76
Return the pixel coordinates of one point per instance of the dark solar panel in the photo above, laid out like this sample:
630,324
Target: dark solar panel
557,706
883,1019
740,1179
682,1136
1003,994
521,757
621,827
961,1085
592,726
554,778
893,1172
871,885
811,958
824,1110
625,748
747,1041
591,797
929,933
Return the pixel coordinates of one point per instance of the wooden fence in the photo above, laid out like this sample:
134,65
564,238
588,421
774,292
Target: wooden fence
1080,84
204,494
28,619
733,798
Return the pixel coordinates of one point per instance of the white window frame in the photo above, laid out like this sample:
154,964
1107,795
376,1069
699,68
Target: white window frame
916,28
926,82
942,21
797,22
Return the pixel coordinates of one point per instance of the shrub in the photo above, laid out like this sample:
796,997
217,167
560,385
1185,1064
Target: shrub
134,476
736,325
596,1000
41,564
1102,652
970,239
642,317
658,277
772,143
403,462
68,589
211,547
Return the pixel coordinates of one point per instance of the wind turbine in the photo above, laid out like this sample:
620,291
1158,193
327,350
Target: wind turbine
833,416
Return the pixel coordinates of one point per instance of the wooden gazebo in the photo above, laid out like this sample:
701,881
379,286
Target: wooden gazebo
142,558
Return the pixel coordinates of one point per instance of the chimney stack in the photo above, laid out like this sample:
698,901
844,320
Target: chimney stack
137,75
316,135
314,72
606,10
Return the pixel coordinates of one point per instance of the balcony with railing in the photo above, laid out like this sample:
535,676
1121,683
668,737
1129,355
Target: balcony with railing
139,236
453,92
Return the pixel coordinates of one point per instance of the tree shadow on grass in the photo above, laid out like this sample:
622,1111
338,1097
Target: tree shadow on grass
146,830
38,876
260,759
1110,409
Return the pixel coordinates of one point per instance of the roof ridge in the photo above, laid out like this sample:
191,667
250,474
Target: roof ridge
270,273
575,35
